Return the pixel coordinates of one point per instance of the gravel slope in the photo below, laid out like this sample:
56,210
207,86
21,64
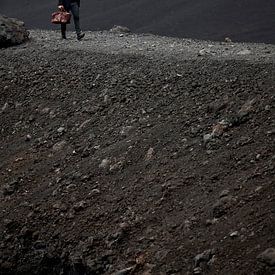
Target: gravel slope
136,154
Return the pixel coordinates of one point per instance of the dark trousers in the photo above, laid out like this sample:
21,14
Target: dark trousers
74,9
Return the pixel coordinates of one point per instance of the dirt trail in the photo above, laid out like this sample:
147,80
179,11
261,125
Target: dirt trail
127,154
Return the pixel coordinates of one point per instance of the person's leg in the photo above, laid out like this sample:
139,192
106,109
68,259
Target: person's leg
63,31
75,12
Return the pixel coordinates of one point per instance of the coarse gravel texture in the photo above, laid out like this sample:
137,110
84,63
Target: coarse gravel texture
136,154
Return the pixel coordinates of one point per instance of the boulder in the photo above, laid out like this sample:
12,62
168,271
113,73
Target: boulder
12,32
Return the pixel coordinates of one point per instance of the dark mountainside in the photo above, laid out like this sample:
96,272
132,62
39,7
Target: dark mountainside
136,154
241,20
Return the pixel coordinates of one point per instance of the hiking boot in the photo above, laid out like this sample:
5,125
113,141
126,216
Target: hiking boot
80,36
64,37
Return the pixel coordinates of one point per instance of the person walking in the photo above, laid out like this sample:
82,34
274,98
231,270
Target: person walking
73,7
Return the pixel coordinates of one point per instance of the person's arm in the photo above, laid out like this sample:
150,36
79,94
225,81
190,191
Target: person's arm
60,5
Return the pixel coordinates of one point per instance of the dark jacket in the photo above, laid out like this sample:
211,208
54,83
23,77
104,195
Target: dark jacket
67,3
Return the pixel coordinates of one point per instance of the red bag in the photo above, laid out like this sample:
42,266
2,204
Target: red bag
61,17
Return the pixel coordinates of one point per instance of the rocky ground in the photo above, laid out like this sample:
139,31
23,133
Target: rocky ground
127,154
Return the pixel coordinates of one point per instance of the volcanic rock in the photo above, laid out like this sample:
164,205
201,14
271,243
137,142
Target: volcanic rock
12,32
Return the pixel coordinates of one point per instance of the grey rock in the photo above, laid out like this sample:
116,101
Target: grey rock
267,257
204,52
5,107
95,191
224,193
203,257
207,137
234,234
61,130
79,206
31,118
28,137
197,270
244,52
150,154
126,130
12,32
209,222
124,271
60,206
105,163
10,188
45,111
222,206
59,146
119,29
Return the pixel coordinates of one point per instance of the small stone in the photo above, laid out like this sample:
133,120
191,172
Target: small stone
59,146
83,125
105,163
124,271
116,166
79,206
227,40
39,245
124,226
60,206
31,118
267,257
259,188
45,111
270,132
234,234
52,114
61,130
224,193
119,29
126,130
10,188
222,206
244,52
106,99
267,108
220,128
203,257
4,108
8,222
149,154
207,137
248,107
209,222
26,232
28,137
95,191
203,52
197,270
35,235
85,153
